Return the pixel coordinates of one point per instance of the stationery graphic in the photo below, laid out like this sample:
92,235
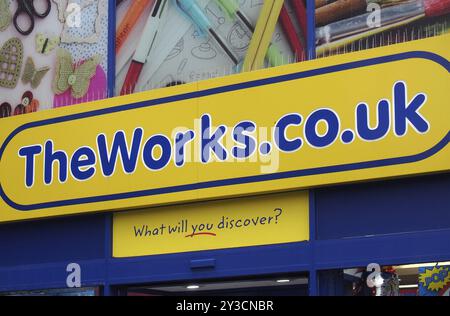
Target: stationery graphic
31,34
295,41
27,10
348,25
261,40
204,25
196,40
137,8
145,46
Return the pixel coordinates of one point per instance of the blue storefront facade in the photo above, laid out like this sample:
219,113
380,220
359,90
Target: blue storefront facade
384,203
392,222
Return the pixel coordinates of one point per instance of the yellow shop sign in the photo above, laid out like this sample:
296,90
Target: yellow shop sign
241,222
374,114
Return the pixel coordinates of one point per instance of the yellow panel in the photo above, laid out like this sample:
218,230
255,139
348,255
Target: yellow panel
250,221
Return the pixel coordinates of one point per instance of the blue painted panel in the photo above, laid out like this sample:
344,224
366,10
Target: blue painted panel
384,207
331,283
50,275
292,257
52,240
406,248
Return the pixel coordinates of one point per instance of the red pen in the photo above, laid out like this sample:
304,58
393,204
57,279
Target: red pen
291,34
145,46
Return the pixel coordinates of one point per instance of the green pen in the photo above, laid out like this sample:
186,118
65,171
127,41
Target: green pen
231,7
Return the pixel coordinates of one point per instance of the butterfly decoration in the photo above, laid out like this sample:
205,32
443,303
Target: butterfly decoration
74,77
5,15
46,44
33,75
28,105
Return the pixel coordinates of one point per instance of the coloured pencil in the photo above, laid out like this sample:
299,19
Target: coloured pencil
300,13
231,7
263,34
291,34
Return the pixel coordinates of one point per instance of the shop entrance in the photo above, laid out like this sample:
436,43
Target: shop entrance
276,285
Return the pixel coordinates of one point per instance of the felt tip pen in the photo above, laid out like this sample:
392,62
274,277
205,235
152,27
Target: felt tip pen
145,46
136,9
232,9
195,13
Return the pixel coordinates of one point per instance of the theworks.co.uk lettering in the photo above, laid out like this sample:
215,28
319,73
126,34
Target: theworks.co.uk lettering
397,115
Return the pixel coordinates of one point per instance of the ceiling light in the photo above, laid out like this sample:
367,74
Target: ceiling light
192,287
423,265
283,281
408,286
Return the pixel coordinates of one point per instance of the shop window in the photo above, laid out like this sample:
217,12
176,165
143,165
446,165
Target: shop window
87,291
422,279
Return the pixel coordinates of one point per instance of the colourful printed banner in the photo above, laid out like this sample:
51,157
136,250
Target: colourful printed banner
361,116
434,281
251,221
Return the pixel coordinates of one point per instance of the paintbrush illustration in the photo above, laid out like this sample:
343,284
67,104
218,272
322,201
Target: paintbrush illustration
342,9
343,32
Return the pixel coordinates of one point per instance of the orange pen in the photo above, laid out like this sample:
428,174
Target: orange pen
137,7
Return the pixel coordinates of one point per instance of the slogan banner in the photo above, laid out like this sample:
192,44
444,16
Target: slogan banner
259,220
374,114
